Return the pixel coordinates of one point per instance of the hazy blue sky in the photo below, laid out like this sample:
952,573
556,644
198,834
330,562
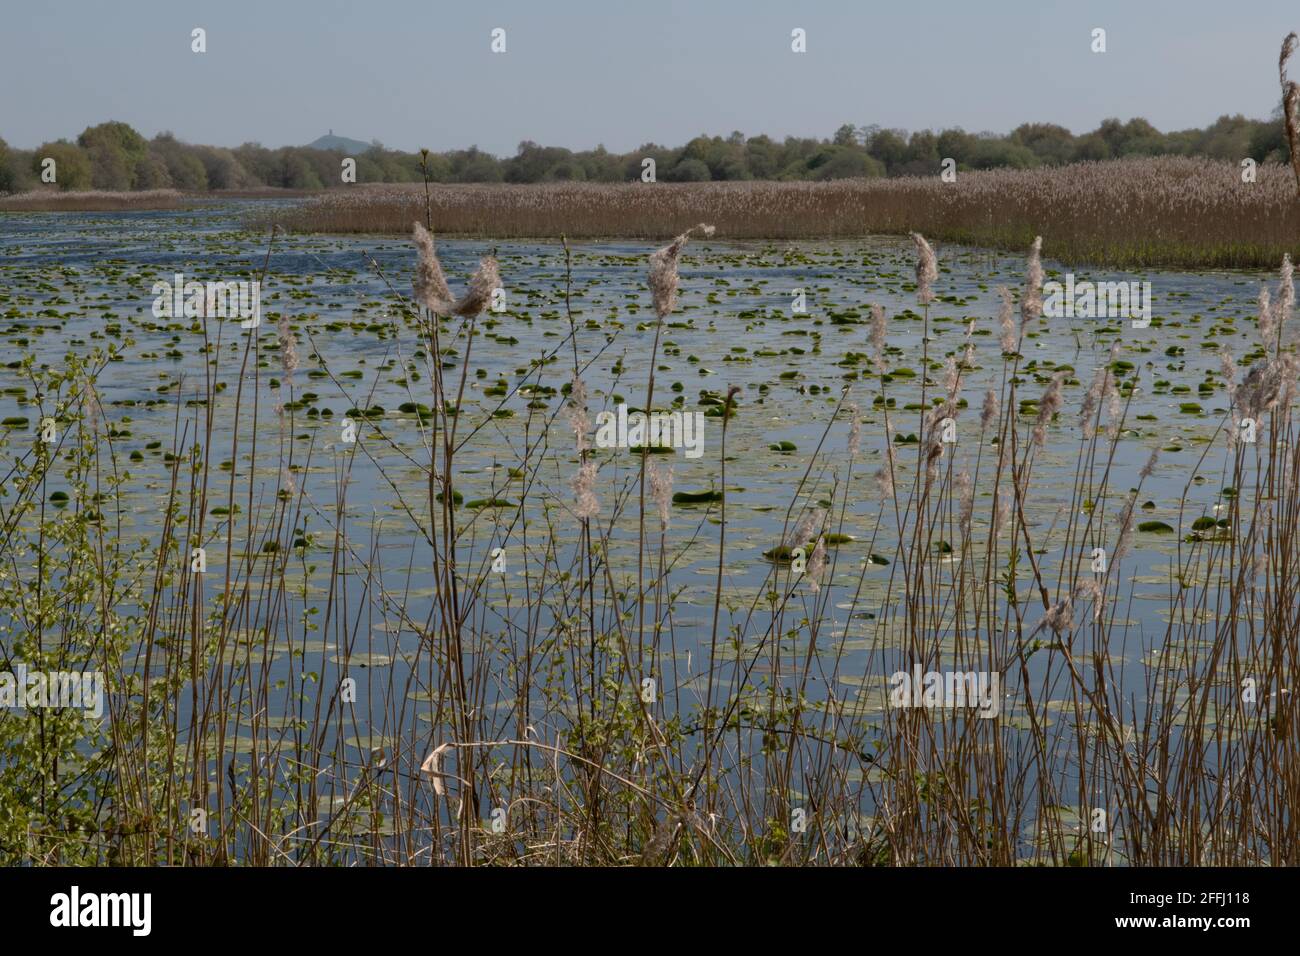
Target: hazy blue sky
579,73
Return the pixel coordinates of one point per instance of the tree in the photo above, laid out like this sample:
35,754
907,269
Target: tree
995,152
182,163
889,148
114,150
151,173
296,172
689,171
474,166
533,164
1092,146
760,157
958,145
846,135
1268,143
72,165
223,170
7,176
1052,144
923,149
1229,137
841,162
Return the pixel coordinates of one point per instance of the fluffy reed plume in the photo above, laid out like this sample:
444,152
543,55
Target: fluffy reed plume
1279,310
663,270
430,284
855,429
1114,408
1125,530
1149,468
1102,393
968,350
90,405
1272,380
1048,406
660,478
1059,617
576,413
951,378
1006,324
884,476
817,564
876,336
966,495
1090,590
808,523
989,413
1031,305
1286,288
934,436
884,480
1265,320
1228,369
1091,402
485,279
1290,107
288,348
927,270
584,482
1266,383
1001,514
586,504
1258,567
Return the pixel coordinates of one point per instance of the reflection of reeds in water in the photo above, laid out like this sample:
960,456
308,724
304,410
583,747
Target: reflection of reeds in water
543,710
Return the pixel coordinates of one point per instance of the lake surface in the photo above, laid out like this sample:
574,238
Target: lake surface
76,282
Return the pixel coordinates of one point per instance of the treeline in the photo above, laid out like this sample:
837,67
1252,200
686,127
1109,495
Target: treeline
113,156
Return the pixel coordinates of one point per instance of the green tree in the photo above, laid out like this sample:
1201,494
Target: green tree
846,135
296,172
223,169
474,166
958,145
1092,146
689,171
994,152
71,164
183,163
1052,144
889,148
7,176
151,173
843,162
115,150
761,156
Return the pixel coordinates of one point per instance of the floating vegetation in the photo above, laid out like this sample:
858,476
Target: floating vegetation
279,530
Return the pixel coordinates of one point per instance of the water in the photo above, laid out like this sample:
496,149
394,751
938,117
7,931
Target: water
77,282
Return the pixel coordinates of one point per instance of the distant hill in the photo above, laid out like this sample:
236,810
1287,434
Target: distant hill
343,143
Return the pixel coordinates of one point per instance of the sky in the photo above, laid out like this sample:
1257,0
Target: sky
621,73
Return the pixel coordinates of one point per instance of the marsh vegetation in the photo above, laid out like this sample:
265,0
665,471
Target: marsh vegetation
471,636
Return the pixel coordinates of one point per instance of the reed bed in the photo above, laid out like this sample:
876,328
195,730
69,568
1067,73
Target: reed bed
91,200
1159,212
537,743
